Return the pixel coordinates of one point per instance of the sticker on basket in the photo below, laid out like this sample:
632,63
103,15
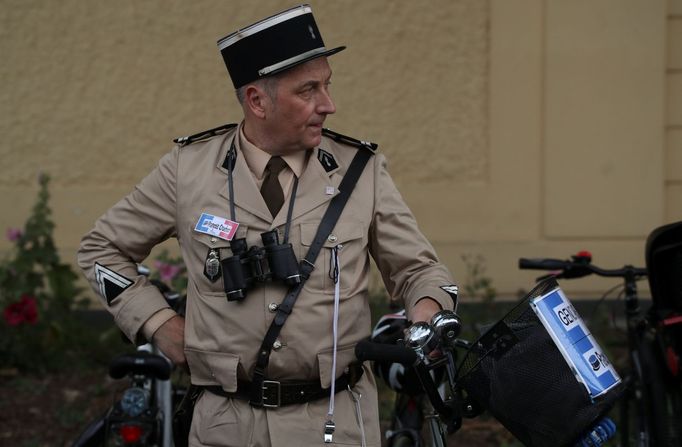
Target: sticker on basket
580,350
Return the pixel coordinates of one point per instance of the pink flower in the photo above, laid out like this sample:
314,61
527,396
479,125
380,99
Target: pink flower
167,272
13,234
23,311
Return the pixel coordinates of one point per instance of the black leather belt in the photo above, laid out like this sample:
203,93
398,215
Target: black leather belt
278,394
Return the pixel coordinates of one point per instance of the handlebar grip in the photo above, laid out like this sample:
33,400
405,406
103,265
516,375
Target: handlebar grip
381,352
543,264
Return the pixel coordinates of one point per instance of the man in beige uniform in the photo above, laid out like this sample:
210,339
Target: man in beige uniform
208,192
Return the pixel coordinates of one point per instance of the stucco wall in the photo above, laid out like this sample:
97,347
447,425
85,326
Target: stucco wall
522,127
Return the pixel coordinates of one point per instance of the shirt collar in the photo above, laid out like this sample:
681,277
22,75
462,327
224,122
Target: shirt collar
257,159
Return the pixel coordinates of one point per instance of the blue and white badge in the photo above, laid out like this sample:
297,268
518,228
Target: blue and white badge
580,350
216,226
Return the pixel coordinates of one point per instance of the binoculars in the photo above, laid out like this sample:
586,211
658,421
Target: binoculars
247,266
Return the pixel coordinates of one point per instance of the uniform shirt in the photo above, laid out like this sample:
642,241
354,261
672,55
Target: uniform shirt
256,159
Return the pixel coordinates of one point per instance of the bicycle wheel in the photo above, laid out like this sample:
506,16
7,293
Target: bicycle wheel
664,397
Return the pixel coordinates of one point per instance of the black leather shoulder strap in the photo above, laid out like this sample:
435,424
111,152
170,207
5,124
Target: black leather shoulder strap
349,140
331,216
204,135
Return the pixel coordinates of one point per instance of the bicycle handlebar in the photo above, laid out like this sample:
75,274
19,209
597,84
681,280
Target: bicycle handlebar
380,352
578,268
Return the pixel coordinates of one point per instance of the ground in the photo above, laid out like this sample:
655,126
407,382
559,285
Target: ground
51,410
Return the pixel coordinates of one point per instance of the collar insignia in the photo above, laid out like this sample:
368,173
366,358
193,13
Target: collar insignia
327,160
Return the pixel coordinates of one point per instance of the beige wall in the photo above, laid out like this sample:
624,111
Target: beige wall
513,127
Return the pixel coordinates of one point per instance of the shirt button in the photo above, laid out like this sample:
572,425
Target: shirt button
277,345
213,240
272,307
332,238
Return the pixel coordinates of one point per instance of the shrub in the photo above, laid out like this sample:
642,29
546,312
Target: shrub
38,292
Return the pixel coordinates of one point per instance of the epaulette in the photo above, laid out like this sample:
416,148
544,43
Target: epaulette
350,140
184,141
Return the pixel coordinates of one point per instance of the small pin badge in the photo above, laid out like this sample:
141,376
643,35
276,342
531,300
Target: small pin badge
212,265
329,190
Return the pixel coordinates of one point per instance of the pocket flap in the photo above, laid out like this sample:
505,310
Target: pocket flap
210,368
345,355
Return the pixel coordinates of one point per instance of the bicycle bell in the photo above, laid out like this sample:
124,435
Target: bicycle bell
447,325
421,337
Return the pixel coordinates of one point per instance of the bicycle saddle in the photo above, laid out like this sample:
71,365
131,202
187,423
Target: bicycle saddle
140,363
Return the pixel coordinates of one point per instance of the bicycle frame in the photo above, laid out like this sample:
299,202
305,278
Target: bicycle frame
441,414
636,325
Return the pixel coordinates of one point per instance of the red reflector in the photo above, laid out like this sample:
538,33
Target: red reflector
673,361
672,320
130,433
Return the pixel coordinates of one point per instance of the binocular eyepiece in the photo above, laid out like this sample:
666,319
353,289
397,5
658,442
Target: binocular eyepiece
247,266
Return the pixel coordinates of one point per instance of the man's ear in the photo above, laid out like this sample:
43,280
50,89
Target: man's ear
256,100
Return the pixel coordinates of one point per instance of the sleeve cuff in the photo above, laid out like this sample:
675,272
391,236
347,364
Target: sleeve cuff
156,321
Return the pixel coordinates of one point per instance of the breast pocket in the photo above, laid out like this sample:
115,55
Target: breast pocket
209,251
351,238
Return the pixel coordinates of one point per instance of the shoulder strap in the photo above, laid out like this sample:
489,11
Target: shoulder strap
331,216
349,140
210,133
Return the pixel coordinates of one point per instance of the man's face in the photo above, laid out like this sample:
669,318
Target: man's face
295,115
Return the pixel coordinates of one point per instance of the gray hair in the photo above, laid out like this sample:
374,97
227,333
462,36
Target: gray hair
268,84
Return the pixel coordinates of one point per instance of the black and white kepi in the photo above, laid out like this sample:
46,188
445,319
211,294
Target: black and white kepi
273,45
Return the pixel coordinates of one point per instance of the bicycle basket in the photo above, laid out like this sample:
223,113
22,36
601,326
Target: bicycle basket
517,371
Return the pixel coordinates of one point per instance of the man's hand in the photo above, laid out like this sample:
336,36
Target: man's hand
424,309
170,339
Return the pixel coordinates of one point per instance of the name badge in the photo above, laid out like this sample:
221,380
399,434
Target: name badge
216,226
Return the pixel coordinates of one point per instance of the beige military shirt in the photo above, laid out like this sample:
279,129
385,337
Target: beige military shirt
222,337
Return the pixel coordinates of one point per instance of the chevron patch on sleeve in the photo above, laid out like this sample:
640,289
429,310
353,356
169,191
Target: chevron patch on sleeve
111,284
452,290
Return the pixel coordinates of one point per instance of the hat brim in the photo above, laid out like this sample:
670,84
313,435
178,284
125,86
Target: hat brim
303,60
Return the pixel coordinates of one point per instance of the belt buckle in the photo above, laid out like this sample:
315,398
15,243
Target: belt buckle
271,391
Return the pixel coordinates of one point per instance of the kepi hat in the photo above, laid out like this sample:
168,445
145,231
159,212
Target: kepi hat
273,45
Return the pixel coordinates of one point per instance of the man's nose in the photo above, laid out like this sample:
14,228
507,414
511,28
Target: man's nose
326,105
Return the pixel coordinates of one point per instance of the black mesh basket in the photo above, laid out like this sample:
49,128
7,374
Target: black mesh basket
517,373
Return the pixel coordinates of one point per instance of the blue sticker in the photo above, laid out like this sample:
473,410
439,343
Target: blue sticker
575,342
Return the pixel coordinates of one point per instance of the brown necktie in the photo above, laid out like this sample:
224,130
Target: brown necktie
271,189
